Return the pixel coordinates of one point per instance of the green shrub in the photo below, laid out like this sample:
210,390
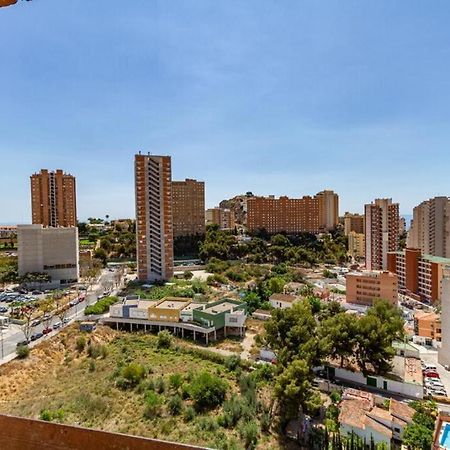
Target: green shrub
133,373
164,339
188,275
207,424
207,390
232,362
185,391
249,432
175,405
94,351
232,412
175,380
91,366
101,306
80,343
50,415
189,414
160,385
23,351
153,404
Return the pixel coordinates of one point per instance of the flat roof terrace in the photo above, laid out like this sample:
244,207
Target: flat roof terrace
220,308
193,306
173,303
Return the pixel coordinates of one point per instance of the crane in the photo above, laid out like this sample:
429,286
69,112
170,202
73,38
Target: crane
4,3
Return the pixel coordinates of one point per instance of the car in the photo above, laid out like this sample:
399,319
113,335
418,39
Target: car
36,293
72,303
65,321
47,330
22,343
57,325
432,380
3,309
46,316
435,385
35,323
440,393
431,374
426,366
36,336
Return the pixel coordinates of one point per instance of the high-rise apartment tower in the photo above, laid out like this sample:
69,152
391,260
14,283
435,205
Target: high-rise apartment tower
154,229
53,199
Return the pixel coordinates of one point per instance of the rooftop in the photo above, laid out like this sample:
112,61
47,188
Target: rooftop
173,303
147,303
284,297
220,308
193,306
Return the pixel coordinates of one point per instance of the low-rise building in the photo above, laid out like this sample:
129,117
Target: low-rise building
427,328
419,275
282,301
359,415
53,251
363,288
168,309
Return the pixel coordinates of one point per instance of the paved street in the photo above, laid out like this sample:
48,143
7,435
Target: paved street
14,334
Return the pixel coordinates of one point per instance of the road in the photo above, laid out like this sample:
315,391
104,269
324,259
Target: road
10,337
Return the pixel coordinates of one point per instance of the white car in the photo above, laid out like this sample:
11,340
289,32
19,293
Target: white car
440,393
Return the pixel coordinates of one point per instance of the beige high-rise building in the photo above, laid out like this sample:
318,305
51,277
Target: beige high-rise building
353,222
356,244
53,199
49,250
363,288
188,207
223,217
328,210
154,229
430,227
381,230
444,351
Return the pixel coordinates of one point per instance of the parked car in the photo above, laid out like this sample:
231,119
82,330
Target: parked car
46,330
57,325
430,374
65,321
36,336
3,309
22,343
440,393
35,323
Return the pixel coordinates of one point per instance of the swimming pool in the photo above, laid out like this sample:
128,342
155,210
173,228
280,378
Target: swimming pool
445,438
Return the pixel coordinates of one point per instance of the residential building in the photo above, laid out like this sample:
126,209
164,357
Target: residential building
430,227
359,415
221,216
53,251
444,351
353,222
290,215
363,288
381,230
238,206
188,207
53,199
154,230
328,210
401,226
441,440
282,301
418,275
356,244
427,328
8,231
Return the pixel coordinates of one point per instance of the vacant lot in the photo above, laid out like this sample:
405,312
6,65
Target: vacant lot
80,379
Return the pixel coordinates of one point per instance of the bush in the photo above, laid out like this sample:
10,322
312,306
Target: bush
23,351
133,373
49,415
232,412
80,344
160,385
153,403
249,432
91,366
175,405
207,390
164,339
189,414
188,275
101,306
233,362
207,424
95,351
175,380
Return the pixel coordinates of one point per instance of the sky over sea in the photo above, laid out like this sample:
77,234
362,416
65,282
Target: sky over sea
284,98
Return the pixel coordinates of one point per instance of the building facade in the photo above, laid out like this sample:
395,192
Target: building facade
418,275
430,227
444,351
223,217
381,230
188,207
363,288
328,210
154,229
353,222
53,199
53,251
356,244
427,327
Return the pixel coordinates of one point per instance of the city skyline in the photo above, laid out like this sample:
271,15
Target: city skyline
243,98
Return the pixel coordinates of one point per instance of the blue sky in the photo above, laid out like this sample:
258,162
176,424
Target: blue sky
272,97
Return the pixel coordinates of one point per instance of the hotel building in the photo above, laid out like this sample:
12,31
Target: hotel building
53,199
381,230
188,207
363,288
154,229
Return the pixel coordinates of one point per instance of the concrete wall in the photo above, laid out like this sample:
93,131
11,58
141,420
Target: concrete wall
27,434
367,434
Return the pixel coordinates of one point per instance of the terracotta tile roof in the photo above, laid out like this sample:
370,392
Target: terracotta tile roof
352,413
369,422
401,410
380,414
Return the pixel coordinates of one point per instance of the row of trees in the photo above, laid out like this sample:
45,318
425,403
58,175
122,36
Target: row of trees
308,334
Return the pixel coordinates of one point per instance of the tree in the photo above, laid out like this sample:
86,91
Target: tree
292,333
276,285
417,437
26,313
164,339
253,301
294,391
339,334
208,390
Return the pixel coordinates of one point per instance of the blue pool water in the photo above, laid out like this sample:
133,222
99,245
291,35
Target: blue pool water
445,438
